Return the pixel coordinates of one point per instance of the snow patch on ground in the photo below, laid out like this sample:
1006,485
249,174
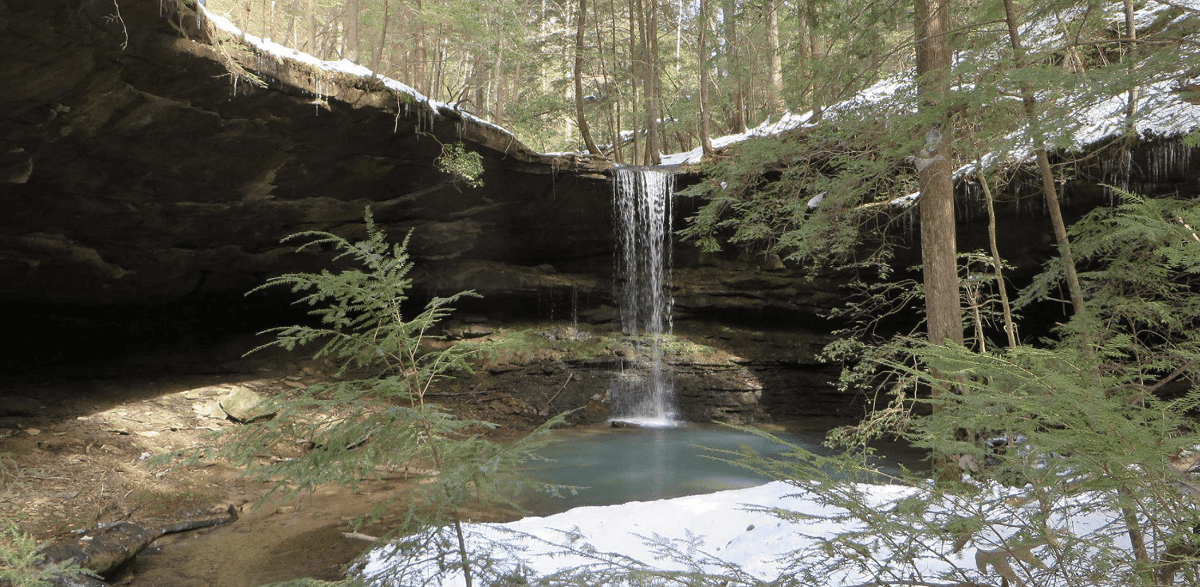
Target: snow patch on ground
734,531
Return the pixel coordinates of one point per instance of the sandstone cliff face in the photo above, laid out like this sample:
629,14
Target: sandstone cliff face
150,164
143,164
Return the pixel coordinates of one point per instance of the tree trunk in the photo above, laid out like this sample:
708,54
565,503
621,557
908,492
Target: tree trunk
352,36
804,54
633,73
702,42
580,119
938,243
383,31
650,80
939,265
729,15
311,9
1131,58
1010,328
1043,163
775,87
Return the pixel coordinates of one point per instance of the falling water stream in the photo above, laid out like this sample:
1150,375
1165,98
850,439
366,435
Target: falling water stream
644,393
659,456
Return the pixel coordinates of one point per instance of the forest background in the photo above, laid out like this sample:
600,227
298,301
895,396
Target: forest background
573,74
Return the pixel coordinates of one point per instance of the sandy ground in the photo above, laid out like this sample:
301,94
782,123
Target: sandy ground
78,450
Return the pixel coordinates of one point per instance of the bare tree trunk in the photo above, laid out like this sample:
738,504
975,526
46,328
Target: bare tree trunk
439,64
804,54
383,31
650,79
775,87
705,122
420,59
634,14
939,265
1010,328
352,37
290,35
1131,57
1043,163
938,241
580,119
311,10
729,10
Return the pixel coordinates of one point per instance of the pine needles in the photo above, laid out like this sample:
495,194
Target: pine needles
374,418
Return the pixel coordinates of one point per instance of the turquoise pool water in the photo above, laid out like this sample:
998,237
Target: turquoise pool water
618,465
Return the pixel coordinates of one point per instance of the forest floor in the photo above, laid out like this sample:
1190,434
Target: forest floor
78,448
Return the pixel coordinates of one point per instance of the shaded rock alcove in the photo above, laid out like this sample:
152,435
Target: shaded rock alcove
152,162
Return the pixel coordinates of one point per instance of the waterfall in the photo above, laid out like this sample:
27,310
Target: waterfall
642,216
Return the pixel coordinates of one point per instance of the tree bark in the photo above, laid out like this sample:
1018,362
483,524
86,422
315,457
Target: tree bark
1043,163
580,119
634,70
702,42
729,14
311,9
352,34
775,87
383,31
804,54
938,241
1010,328
650,79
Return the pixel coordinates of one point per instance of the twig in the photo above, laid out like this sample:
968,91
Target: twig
117,17
459,393
550,402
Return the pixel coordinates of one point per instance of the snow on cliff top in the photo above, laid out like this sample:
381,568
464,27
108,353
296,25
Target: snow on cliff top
1161,110
345,66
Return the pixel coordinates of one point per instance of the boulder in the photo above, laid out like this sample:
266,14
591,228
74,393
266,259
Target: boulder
245,406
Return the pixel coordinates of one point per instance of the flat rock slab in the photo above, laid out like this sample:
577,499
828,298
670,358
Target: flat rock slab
209,409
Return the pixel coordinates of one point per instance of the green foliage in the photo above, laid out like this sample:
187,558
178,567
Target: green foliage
1140,275
809,197
21,563
1076,457
374,419
465,166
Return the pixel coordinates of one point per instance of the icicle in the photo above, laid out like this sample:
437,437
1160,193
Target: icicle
574,313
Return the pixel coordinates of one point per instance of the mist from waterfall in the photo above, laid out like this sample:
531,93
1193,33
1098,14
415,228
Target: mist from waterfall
642,216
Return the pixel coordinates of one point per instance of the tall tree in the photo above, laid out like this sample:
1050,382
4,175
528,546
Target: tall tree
353,40
580,119
934,168
383,31
1029,102
775,58
804,54
651,90
729,15
704,65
